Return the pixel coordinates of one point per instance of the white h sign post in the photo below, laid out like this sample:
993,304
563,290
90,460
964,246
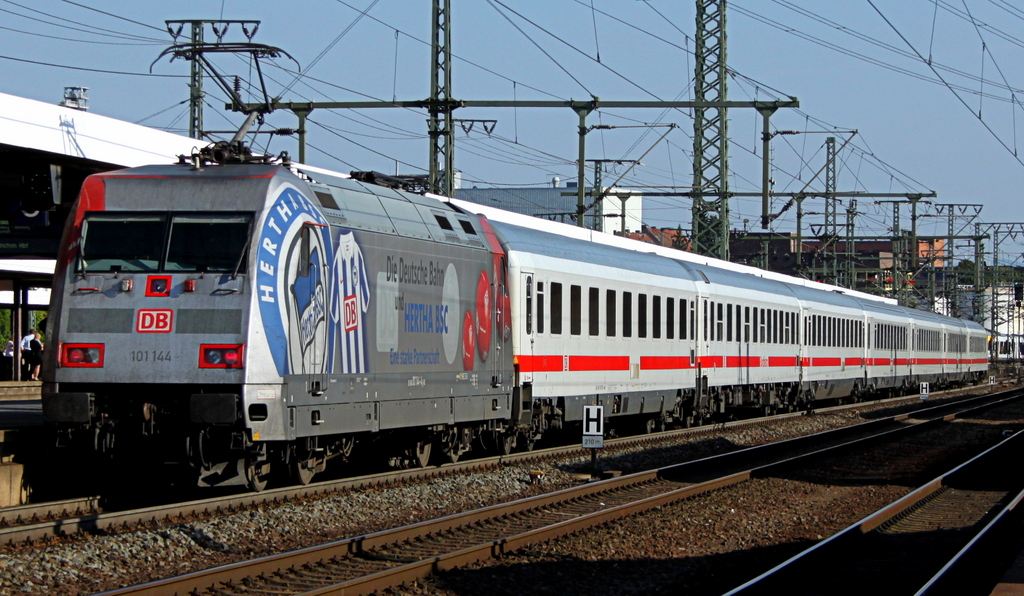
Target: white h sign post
593,432
593,427
924,390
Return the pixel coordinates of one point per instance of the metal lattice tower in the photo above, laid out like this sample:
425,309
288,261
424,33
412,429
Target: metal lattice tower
441,125
710,134
831,229
850,248
951,281
195,86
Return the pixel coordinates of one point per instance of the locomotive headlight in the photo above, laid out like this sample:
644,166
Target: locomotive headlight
221,355
81,355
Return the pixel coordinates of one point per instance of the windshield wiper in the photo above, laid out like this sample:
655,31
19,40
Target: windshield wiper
245,249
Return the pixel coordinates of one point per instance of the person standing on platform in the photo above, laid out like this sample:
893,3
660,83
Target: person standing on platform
26,346
35,356
7,364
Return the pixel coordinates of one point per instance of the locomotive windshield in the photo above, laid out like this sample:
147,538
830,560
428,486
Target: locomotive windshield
164,242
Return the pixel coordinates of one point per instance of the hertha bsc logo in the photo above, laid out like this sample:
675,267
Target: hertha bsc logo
293,296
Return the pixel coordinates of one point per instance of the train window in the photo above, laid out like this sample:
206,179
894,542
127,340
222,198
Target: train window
595,312
540,307
444,223
774,322
753,326
656,317
693,319
705,317
728,322
210,243
718,323
641,315
627,314
682,318
123,242
556,308
609,313
739,323
746,324
670,317
575,310
529,304
786,327
764,327
467,227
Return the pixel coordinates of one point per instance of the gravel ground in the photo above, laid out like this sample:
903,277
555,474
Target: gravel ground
714,542
89,564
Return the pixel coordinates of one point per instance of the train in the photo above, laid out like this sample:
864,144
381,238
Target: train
237,318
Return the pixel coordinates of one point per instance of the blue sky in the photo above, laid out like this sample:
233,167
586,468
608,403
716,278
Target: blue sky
851,64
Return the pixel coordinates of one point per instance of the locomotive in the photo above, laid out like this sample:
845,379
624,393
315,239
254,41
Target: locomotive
232,317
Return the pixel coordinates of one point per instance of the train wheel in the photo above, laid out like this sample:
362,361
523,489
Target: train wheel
419,454
256,475
302,471
650,425
506,443
453,443
527,440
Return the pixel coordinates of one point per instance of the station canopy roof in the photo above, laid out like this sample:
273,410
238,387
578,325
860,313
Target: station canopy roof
46,152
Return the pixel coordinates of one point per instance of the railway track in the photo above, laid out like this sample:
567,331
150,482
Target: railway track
943,538
64,518
371,562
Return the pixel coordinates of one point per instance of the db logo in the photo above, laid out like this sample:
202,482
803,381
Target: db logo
351,313
154,321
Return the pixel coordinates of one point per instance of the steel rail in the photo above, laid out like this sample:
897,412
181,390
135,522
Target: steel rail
317,560
95,522
23,514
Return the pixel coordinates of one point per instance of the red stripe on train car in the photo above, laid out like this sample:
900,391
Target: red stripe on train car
593,363
826,362
540,363
712,361
665,362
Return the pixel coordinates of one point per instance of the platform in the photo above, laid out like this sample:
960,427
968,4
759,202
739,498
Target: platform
19,391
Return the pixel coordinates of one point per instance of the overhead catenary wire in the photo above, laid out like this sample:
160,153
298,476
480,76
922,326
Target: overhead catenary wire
985,124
